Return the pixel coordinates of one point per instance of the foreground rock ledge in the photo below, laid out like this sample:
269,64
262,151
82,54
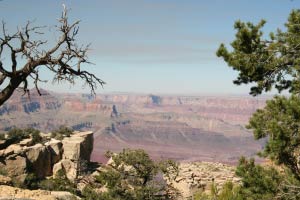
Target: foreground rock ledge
195,176
8,192
18,160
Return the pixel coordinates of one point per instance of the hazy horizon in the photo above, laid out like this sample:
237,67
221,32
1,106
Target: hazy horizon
87,92
159,47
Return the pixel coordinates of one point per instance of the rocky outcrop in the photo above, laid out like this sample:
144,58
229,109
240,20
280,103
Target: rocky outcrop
70,168
26,142
79,146
76,150
18,160
197,176
12,149
55,147
39,160
8,192
15,166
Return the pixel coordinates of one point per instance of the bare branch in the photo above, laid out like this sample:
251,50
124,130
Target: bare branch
64,59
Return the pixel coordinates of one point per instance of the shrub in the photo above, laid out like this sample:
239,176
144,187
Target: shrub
2,136
15,135
89,193
60,183
3,171
36,137
133,175
31,181
61,132
258,182
229,191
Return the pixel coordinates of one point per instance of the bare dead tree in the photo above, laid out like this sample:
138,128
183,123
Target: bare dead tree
64,59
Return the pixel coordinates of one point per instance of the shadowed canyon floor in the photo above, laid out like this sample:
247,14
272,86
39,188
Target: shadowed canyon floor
189,128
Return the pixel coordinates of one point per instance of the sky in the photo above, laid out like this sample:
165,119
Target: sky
152,46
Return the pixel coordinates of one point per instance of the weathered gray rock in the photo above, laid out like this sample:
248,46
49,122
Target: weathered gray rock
39,158
68,167
44,160
56,150
78,146
26,142
11,149
15,167
195,175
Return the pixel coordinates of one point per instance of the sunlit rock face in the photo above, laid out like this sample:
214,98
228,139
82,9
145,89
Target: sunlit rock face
78,146
47,159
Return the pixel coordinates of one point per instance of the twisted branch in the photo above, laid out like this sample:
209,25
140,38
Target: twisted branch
64,59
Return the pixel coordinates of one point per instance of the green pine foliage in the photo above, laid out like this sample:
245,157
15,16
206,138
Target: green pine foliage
59,183
15,135
280,122
257,182
133,175
266,61
229,191
270,63
2,136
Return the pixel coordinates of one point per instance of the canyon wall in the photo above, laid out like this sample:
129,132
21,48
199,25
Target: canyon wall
187,128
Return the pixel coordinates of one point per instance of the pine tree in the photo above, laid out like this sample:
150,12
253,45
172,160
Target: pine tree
268,63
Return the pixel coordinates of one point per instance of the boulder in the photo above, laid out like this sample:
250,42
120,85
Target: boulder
14,166
56,150
39,158
45,135
68,167
26,142
78,146
11,149
56,168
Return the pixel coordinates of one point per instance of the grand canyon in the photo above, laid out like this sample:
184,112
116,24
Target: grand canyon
185,128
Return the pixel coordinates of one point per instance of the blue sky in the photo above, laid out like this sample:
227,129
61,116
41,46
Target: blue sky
154,46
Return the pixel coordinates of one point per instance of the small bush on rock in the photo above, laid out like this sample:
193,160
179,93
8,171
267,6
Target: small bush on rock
15,135
62,132
60,183
2,136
